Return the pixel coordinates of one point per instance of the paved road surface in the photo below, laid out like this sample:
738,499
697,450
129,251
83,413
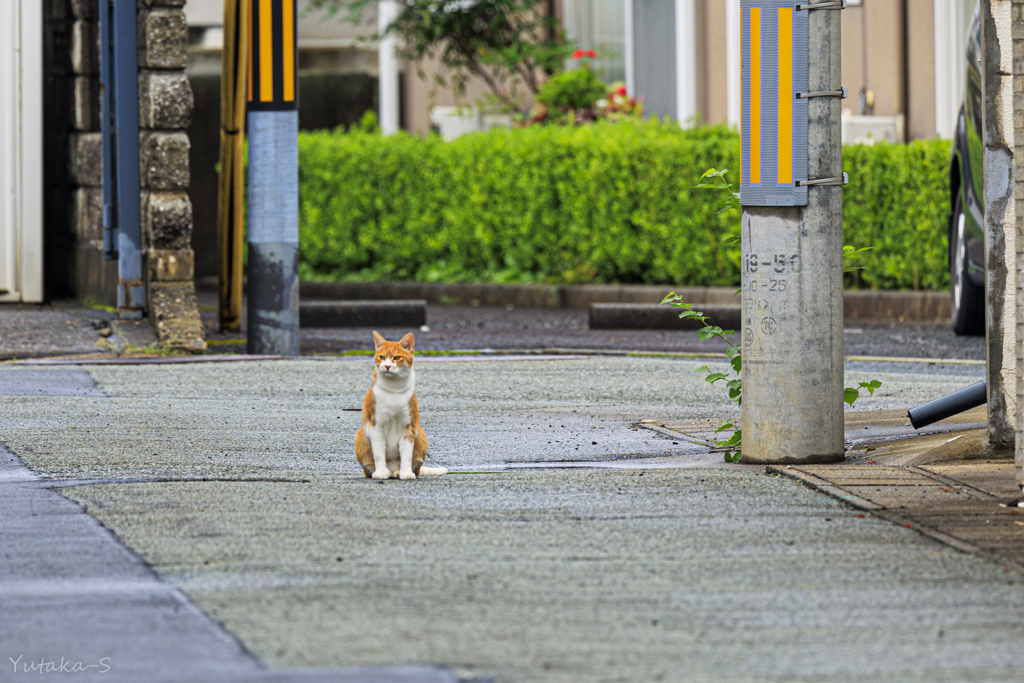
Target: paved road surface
675,574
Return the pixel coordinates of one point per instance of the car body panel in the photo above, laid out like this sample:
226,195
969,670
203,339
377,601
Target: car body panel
967,173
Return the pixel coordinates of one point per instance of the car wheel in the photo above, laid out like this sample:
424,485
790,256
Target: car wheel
967,300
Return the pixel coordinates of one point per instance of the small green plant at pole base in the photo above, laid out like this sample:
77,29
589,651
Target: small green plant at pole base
733,384
734,444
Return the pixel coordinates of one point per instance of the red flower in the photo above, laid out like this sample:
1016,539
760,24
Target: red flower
578,54
622,90
591,54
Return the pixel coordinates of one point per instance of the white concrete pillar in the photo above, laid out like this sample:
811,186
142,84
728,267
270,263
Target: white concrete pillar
733,63
1018,180
387,69
686,60
1000,219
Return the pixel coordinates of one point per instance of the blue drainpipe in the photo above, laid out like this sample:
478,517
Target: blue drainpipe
119,74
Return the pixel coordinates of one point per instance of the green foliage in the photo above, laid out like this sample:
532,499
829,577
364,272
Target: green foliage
610,202
90,302
897,203
576,89
734,383
368,122
716,180
505,43
600,203
850,395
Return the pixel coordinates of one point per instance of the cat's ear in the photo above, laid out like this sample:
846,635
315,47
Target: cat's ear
407,342
378,340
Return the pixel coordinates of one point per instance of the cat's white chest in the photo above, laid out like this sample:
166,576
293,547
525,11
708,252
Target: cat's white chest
392,413
392,407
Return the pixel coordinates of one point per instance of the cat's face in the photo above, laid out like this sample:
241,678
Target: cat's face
394,359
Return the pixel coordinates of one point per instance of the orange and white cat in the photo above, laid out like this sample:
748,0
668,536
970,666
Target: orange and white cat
391,442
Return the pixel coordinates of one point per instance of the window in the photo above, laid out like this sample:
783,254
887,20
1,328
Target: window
599,25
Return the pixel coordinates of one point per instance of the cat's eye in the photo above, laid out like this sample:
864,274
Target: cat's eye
399,359
381,357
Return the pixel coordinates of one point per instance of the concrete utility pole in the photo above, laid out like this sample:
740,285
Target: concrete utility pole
273,269
1000,249
1018,181
792,233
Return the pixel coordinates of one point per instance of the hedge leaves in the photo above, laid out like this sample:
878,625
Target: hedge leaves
598,203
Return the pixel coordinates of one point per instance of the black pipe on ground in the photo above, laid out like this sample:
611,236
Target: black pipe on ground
949,405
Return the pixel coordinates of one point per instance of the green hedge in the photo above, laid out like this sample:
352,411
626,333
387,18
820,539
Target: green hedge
897,203
598,203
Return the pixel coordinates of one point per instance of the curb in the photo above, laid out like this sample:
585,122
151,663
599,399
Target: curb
930,306
657,317
362,313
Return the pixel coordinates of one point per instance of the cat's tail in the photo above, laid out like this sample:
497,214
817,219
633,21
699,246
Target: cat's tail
432,471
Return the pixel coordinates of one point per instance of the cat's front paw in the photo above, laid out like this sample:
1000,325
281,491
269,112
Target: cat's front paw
405,476
381,474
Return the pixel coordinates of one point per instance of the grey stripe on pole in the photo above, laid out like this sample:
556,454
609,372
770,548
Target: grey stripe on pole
273,227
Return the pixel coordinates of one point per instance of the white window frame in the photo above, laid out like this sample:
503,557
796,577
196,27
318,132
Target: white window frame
21,151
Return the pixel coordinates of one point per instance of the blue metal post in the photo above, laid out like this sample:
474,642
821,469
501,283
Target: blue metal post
273,268
131,292
106,116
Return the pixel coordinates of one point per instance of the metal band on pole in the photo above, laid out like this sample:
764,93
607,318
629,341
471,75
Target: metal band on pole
273,268
823,5
841,93
822,182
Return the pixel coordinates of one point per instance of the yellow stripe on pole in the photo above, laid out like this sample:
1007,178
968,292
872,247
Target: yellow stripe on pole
266,53
786,96
755,95
288,49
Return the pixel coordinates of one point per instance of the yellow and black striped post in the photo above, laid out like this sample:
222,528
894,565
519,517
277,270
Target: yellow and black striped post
273,122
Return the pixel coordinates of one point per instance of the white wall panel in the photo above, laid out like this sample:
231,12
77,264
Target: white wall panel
21,151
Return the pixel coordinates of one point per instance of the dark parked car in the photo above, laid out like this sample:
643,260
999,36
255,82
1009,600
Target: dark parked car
967,200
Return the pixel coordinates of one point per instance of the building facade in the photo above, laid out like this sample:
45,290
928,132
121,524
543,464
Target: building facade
902,59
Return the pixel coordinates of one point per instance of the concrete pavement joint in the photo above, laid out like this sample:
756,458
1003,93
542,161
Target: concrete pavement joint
960,486
68,578
819,484
71,483
822,485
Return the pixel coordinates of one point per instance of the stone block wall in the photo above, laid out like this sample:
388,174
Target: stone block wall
165,112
